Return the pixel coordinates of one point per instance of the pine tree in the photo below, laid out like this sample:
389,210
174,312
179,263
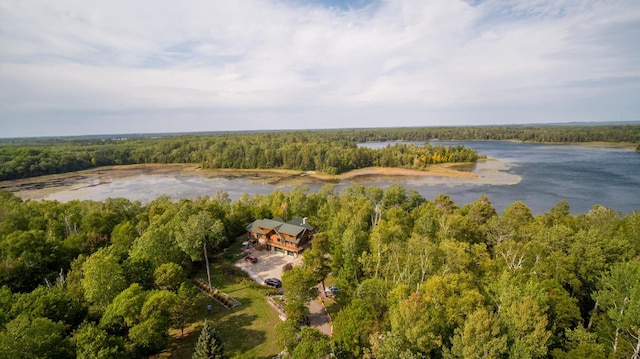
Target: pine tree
209,345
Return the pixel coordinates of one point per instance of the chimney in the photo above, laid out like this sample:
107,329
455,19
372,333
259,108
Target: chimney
304,220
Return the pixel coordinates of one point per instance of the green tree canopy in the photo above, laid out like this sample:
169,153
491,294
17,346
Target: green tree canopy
619,296
209,345
169,276
95,343
103,278
27,338
312,344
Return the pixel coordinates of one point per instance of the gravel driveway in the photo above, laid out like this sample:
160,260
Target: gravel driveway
269,264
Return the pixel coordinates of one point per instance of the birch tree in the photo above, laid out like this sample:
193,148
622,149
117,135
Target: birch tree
619,296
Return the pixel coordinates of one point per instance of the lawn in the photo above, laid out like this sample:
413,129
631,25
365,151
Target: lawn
247,330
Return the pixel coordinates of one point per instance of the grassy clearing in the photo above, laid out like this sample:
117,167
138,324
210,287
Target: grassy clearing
247,330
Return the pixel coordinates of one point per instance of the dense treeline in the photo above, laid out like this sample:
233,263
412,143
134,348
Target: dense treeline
288,150
103,279
420,278
541,134
329,151
431,279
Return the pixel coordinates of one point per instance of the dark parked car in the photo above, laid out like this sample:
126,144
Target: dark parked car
251,259
273,282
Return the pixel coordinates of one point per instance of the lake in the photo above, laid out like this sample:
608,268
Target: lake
582,175
540,175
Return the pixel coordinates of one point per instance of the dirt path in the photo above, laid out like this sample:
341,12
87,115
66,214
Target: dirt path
318,317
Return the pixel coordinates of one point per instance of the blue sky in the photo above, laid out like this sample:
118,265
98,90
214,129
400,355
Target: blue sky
71,67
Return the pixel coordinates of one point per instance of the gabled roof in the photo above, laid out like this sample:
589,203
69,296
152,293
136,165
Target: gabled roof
301,222
263,226
295,227
290,229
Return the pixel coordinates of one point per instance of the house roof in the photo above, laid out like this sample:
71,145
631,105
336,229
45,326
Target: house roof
263,226
290,229
295,227
301,222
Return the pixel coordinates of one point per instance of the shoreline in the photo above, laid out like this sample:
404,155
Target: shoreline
487,171
596,145
37,188
588,144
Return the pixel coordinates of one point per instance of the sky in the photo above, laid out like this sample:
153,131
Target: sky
73,67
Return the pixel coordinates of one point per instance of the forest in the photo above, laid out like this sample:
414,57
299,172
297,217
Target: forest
328,151
420,278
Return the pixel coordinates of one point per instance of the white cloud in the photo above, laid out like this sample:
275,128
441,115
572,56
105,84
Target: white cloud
306,64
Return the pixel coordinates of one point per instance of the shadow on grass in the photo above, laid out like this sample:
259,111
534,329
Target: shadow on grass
238,289
237,335
247,331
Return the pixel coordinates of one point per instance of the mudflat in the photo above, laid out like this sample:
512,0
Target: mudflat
43,186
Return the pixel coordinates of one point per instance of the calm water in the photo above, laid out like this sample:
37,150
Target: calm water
539,175
549,173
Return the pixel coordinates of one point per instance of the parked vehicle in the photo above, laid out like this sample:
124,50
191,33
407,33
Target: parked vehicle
331,290
251,259
273,282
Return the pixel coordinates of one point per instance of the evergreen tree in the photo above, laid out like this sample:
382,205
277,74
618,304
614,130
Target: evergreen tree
209,345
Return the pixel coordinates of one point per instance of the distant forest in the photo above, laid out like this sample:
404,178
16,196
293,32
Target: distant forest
328,151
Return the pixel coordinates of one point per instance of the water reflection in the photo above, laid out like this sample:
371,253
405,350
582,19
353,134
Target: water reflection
539,175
